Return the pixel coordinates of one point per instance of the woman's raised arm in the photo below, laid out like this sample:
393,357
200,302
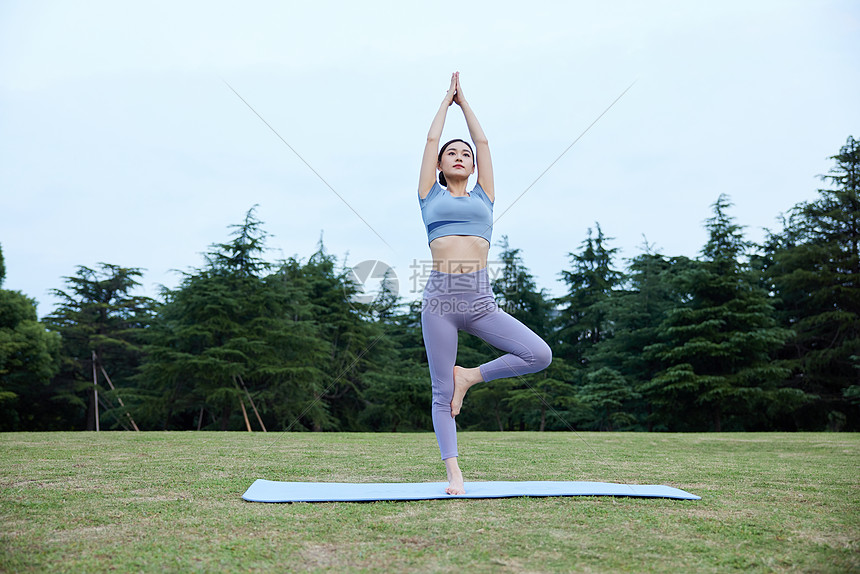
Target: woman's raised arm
482,146
431,150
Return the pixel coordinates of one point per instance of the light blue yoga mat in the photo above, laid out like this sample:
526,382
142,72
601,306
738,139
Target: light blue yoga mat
275,491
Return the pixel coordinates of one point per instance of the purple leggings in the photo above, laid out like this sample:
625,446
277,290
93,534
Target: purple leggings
455,302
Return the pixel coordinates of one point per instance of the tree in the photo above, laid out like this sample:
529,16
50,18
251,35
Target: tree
356,343
227,323
636,314
813,267
715,347
607,394
98,314
396,392
29,357
583,320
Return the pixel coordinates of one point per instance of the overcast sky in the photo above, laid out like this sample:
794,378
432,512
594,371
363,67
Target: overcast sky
122,142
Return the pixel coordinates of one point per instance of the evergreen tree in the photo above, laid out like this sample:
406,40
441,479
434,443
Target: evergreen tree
396,393
356,341
813,266
98,317
227,323
636,314
385,306
607,395
715,347
29,358
583,320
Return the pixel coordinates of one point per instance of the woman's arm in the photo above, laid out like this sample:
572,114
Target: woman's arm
427,175
482,146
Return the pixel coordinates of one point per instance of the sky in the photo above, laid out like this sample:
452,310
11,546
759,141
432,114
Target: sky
123,139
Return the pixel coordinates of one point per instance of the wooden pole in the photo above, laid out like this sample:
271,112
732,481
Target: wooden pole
253,406
95,391
242,403
128,414
245,414
200,419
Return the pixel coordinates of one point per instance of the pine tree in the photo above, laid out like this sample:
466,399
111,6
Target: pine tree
396,391
583,319
813,266
607,394
715,347
227,323
636,314
98,316
356,340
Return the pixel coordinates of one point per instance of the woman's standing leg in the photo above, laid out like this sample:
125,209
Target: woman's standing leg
439,328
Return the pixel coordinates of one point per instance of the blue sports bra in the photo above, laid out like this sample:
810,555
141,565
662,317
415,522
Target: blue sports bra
445,214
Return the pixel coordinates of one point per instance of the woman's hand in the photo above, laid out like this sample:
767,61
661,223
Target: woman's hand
427,176
459,98
482,147
451,96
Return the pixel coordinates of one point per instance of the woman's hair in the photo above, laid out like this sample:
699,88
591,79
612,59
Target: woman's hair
442,181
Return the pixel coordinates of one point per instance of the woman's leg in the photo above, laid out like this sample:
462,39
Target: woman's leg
439,328
526,351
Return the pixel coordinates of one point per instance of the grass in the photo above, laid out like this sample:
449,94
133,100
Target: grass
171,502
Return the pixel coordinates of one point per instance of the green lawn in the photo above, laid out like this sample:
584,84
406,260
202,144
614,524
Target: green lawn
171,502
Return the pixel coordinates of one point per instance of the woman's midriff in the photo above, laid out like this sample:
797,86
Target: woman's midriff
459,253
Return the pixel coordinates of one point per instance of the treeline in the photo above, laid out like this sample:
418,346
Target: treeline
743,337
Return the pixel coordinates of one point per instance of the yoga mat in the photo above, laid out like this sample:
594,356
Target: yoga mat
275,491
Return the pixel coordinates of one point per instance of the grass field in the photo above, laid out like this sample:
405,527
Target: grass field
171,502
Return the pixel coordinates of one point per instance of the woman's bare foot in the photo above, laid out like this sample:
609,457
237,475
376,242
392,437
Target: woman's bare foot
455,477
463,379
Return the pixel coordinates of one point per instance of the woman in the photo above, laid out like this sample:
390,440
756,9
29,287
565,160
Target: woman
458,295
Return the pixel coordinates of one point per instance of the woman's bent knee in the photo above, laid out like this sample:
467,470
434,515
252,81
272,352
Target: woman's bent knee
542,357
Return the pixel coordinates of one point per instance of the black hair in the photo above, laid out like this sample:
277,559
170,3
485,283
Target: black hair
442,181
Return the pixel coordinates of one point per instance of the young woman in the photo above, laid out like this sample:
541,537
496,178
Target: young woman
458,295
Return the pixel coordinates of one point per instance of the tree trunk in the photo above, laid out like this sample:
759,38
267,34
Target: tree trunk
225,417
91,423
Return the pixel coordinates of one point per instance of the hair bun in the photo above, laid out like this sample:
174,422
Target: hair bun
442,181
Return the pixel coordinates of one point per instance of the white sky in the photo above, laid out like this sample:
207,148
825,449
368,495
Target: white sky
121,143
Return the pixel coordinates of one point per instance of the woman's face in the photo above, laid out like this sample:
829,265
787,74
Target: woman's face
457,161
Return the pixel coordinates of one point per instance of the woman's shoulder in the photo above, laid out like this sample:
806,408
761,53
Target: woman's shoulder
480,191
433,191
